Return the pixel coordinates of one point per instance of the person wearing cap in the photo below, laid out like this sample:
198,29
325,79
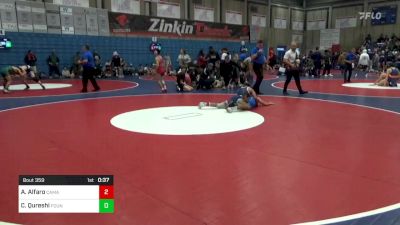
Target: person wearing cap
87,62
258,60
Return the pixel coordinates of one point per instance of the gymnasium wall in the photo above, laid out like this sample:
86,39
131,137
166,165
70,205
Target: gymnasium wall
133,50
349,37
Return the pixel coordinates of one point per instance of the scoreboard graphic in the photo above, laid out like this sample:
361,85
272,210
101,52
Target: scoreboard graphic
66,194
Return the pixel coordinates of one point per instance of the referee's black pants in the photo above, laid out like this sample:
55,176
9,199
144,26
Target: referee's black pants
258,70
88,74
292,73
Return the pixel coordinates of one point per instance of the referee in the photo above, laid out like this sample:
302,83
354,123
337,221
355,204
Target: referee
258,59
292,63
88,65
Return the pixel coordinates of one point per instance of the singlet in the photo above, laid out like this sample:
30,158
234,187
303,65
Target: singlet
6,70
393,81
161,66
243,91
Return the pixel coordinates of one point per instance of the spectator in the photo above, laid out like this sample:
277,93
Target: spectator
381,39
184,59
327,64
30,60
76,68
363,62
201,59
207,77
226,69
342,62
317,57
53,62
116,64
182,86
66,73
212,56
368,39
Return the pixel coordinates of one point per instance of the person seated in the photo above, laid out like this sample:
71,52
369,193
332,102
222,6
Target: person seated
181,80
245,99
66,73
388,78
207,77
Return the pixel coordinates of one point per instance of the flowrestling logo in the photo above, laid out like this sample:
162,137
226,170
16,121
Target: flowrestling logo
372,15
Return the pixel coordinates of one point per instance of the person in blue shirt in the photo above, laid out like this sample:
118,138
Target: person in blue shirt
349,62
88,64
258,59
317,57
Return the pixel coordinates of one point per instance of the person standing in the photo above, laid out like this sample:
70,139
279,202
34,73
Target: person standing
349,60
327,64
292,63
159,70
258,59
53,62
30,60
87,62
316,57
363,62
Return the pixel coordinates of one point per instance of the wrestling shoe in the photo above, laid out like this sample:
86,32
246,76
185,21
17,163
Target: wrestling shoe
6,91
202,105
43,87
229,110
27,88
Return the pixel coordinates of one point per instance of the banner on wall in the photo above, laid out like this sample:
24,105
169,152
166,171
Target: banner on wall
67,20
128,24
233,17
348,22
329,37
297,25
102,20
258,20
280,23
91,22
76,3
126,6
79,21
24,16
39,17
203,14
8,15
298,38
53,18
169,10
316,25
255,34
